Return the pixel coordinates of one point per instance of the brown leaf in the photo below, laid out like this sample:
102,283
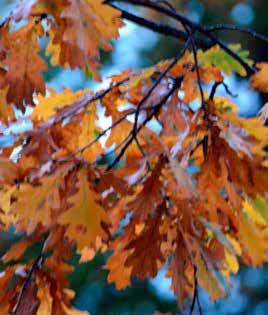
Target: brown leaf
8,171
146,257
25,66
150,196
84,28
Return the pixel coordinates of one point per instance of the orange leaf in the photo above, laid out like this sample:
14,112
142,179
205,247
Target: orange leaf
259,80
17,249
25,66
85,27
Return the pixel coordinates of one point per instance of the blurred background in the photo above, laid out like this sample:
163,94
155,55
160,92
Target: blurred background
138,47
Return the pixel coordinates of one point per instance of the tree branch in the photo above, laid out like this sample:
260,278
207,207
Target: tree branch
36,265
195,296
235,28
194,26
157,82
132,135
159,28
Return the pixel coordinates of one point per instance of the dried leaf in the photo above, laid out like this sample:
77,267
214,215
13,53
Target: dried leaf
259,80
85,216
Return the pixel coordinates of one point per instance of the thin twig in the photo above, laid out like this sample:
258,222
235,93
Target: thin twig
157,82
213,90
228,90
136,130
154,112
253,34
160,28
36,265
195,295
193,25
197,70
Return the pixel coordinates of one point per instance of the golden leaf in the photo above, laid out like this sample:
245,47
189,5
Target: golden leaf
254,246
207,280
34,203
89,134
73,311
85,216
47,106
43,294
119,274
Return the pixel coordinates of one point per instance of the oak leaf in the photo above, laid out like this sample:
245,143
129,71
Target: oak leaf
219,58
25,66
6,110
43,294
150,196
259,80
96,23
119,273
146,257
88,134
47,106
254,245
85,216
257,210
34,204
207,280
181,272
8,171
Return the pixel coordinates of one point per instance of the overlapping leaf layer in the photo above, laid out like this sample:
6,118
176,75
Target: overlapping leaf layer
192,193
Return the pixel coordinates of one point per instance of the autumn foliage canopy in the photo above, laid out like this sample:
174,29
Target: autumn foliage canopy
192,196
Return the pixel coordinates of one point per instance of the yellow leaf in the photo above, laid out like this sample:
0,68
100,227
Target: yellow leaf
136,79
235,244
88,134
251,238
253,214
54,51
48,106
119,133
85,216
231,261
43,294
5,202
207,280
73,311
265,163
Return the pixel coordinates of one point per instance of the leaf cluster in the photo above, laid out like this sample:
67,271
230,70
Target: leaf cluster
192,196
